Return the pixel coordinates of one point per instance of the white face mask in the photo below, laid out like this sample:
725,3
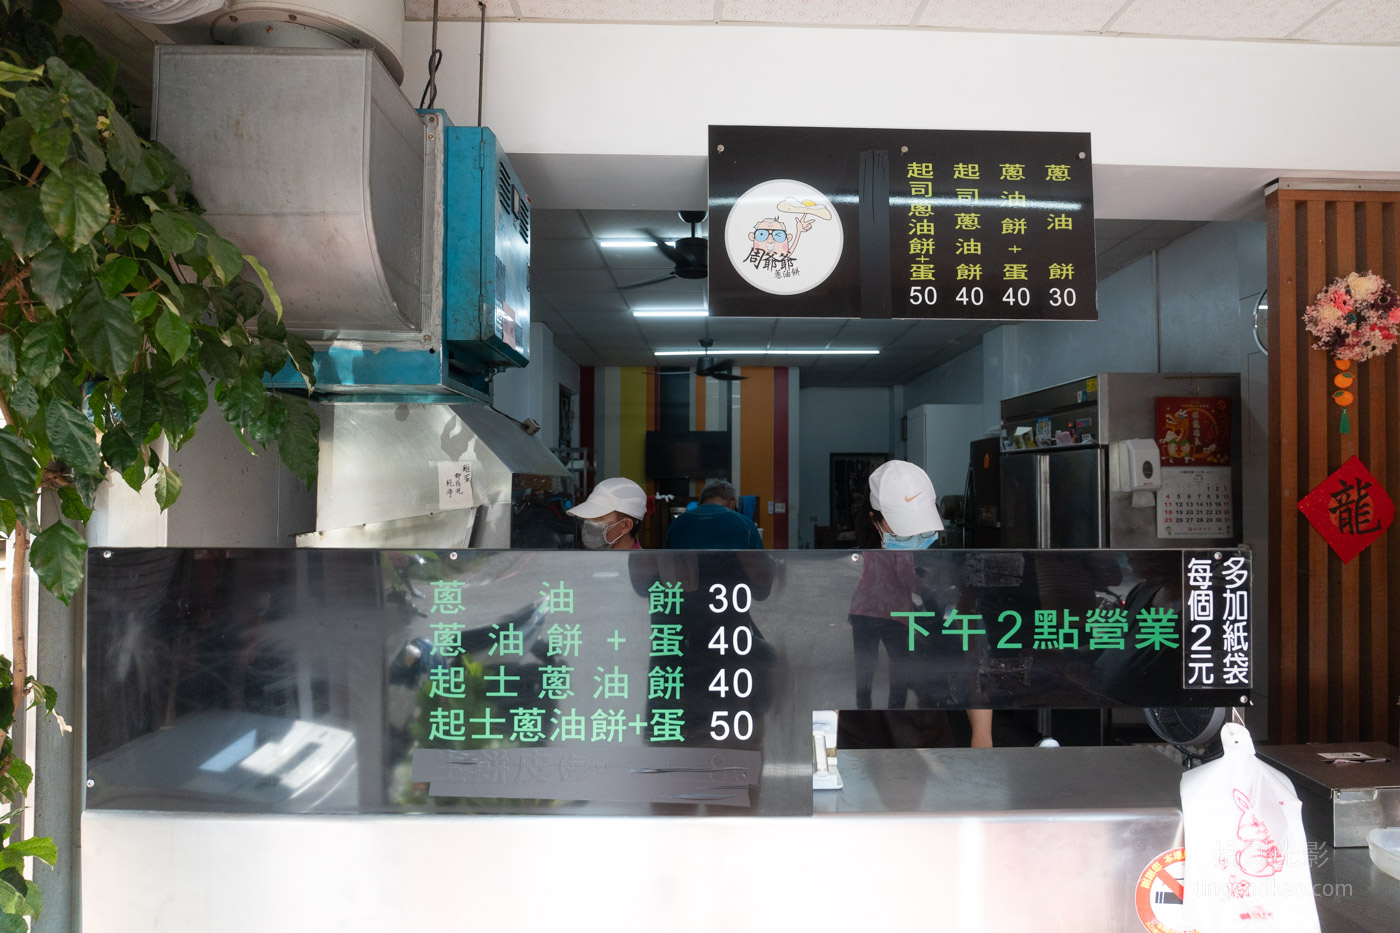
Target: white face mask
595,535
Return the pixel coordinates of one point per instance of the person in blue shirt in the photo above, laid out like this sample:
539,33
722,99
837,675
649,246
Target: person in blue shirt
714,524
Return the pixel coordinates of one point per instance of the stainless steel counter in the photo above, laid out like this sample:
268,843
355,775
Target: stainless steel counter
960,780
1105,812
1354,896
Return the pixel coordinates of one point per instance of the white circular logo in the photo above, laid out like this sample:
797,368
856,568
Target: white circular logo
783,237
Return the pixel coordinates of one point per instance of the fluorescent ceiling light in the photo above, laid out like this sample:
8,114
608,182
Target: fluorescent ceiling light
670,312
771,351
631,244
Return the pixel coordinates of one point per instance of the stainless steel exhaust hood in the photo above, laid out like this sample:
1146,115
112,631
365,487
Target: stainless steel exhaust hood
384,470
399,243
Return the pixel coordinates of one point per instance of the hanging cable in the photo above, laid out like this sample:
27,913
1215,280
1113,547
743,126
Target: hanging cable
481,64
429,97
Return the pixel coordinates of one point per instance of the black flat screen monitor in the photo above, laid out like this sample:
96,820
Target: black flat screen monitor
688,454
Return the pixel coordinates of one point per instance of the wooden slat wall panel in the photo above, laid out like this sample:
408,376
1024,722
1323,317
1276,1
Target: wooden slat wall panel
1333,670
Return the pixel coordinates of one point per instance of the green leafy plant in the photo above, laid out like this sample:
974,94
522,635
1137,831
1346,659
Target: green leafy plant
120,308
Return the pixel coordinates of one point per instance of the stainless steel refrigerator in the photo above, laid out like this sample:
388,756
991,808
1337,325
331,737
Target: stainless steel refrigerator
1072,485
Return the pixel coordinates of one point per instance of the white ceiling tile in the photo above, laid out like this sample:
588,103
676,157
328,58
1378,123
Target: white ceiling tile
821,12
1355,21
422,10
573,280
639,224
558,225
678,289
646,11
1020,15
585,302
809,331
647,258
1241,19
649,300
566,254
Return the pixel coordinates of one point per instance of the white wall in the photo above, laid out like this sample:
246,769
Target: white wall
533,392
1181,129
836,421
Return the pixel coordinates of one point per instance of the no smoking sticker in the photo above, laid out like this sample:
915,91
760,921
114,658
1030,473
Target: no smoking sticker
1161,893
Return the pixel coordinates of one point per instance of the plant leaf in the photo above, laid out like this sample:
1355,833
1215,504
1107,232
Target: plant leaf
219,361
24,401
72,438
241,400
14,74
75,203
70,502
14,143
135,475
267,426
167,487
23,775
125,155
104,331
187,383
266,283
14,904
40,106
22,221
42,352
8,363
140,405
119,450
51,145
57,276
57,557
143,304
19,472
227,258
84,100
303,358
297,445
40,847
116,274
174,234
173,334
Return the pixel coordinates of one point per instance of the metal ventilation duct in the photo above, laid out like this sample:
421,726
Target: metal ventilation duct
312,160
376,25
163,11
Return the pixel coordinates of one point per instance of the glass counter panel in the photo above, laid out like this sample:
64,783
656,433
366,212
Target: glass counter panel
376,681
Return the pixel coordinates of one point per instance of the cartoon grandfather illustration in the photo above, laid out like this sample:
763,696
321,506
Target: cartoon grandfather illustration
773,248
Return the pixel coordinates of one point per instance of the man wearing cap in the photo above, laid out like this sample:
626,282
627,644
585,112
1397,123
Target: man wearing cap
715,524
611,515
904,509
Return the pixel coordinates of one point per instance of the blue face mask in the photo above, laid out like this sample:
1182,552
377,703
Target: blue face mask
893,542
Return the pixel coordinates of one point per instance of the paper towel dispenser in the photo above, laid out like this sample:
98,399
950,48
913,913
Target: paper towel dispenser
1137,469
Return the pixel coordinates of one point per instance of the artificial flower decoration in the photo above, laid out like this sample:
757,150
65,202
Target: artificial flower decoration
1354,319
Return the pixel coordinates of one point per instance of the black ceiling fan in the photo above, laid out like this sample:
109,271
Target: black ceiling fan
691,254
723,370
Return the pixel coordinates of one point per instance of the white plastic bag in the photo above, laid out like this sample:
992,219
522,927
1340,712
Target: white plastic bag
1246,855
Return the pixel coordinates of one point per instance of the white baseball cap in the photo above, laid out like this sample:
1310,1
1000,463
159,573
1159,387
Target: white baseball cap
613,495
903,494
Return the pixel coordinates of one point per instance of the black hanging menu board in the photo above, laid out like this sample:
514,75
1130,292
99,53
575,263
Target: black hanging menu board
876,223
